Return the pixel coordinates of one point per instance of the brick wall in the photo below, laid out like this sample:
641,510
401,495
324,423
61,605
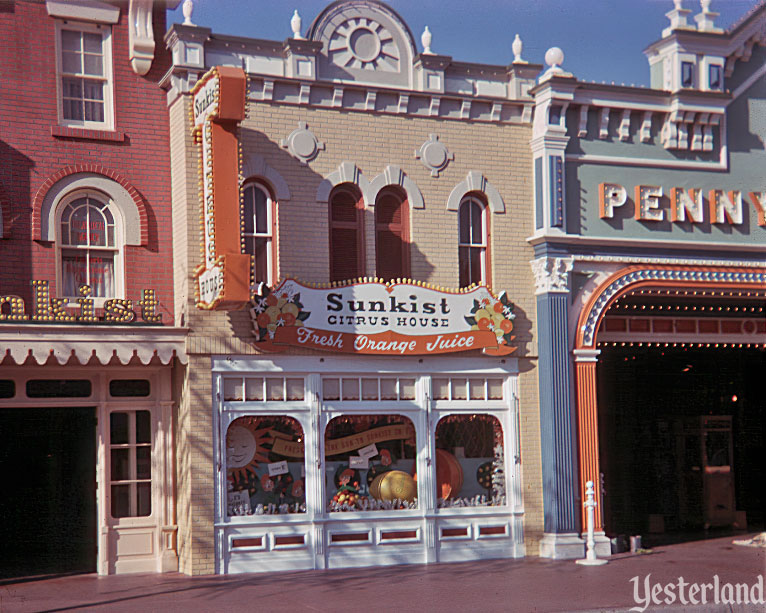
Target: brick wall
30,154
500,152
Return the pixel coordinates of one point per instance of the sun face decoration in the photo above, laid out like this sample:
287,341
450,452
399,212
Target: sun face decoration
244,449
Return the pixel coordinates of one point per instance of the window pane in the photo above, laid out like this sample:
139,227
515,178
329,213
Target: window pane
70,62
331,389
495,388
385,480
470,461
94,111
79,225
144,499
459,389
232,389
101,278
120,465
295,389
261,259
253,388
118,429
143,463
74,271
91,42
440,389
388,389
350,389
121,501
476,387
130,388
249,209
97,227
476,224
464,257
465,222
261,213
406,389
252,443
93,65
477,255
369,389
275,389
143,427
70,40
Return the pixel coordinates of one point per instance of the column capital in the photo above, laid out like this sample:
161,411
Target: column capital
551,274
586,355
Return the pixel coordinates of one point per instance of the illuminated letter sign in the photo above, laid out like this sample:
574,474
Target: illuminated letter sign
223,278
376,318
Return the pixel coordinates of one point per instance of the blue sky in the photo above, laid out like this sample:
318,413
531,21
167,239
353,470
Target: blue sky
602,40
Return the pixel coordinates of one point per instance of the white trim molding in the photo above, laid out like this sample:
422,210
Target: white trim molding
476,182
141,35
255,166
84,10
347,172
393,175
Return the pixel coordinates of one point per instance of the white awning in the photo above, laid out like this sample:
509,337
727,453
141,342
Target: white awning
62,343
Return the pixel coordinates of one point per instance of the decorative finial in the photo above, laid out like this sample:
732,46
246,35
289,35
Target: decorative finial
425,38
677,18
706,19
188,9
295,24
554,57
517,47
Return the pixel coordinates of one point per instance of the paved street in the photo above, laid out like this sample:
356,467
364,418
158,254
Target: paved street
496,585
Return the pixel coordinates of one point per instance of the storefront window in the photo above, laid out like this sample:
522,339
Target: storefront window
370,463
264,466
470,461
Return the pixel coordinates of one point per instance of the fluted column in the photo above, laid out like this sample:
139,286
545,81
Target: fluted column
587,427
561,511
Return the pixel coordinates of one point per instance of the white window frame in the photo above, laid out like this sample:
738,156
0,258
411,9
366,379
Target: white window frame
269,234
484,245
106,38
118,249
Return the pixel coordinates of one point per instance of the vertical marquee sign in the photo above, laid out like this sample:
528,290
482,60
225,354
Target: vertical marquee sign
223,278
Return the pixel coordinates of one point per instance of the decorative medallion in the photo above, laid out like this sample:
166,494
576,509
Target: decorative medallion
302,143
434,155
364,44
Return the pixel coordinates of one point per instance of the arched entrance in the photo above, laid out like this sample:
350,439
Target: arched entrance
644,323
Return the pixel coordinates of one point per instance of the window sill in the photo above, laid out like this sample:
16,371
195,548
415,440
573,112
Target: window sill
116,136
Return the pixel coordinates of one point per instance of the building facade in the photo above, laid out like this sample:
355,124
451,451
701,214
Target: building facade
379,193
87,324
649,244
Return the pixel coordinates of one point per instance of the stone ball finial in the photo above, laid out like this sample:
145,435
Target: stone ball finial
554,57
425,38
517,47
295,25
188,9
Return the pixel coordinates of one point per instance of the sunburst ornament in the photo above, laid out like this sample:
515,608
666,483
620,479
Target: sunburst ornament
364,44
245,449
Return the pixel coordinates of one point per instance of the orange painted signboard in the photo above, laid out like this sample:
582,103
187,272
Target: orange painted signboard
223,278
378,318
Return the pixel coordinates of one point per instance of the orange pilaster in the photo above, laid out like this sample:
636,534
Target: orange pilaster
587,425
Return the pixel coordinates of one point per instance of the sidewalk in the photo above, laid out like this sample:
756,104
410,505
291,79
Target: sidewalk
495,585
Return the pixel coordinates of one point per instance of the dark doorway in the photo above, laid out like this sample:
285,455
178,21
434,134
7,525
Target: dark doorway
665,416
48,499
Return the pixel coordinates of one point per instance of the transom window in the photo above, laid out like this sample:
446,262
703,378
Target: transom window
258,212
88,246
472,242
85,71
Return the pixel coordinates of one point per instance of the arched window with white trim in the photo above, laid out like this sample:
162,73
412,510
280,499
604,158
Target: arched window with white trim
473,241
89,245
259,217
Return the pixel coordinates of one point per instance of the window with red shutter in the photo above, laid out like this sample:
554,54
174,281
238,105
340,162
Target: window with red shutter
392,236
346,234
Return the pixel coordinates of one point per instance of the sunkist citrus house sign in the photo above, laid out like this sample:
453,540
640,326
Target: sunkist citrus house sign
374,317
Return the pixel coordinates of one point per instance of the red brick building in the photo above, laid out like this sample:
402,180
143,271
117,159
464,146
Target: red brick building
87,332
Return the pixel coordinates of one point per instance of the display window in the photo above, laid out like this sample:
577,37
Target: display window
265,467
370,463
470,461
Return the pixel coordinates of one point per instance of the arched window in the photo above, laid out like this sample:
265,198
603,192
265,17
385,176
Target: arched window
259,216
473,234
346,234
392,249
89,246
